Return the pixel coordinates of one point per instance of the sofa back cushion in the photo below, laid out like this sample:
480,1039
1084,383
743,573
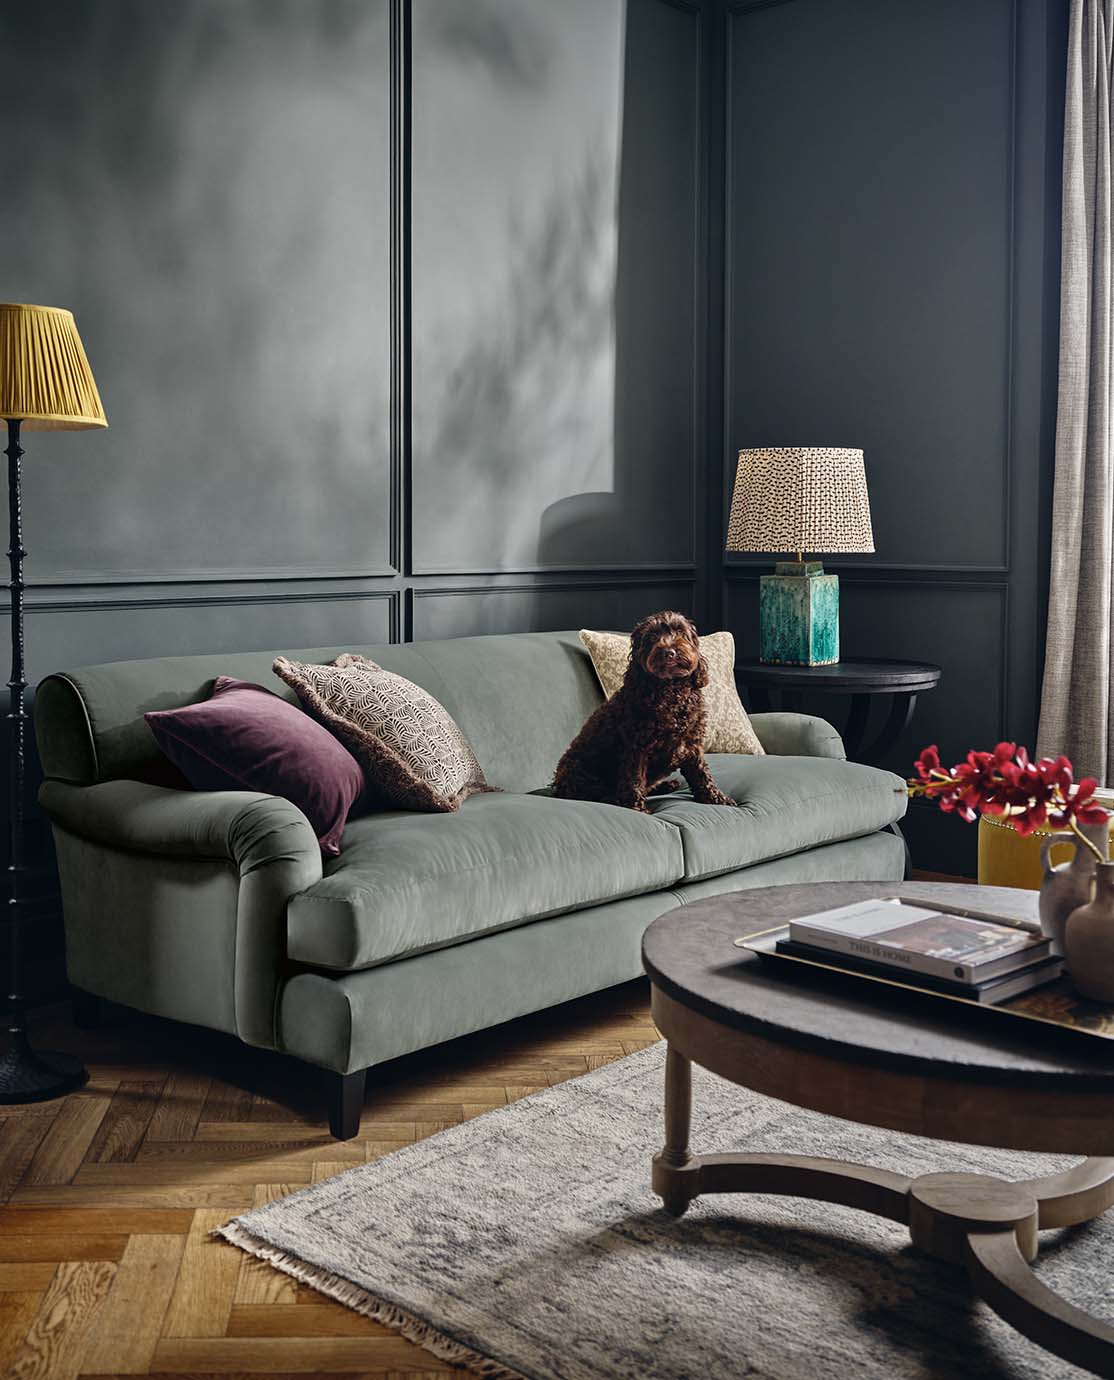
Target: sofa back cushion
520,698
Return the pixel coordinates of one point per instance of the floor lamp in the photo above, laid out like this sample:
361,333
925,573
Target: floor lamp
45,385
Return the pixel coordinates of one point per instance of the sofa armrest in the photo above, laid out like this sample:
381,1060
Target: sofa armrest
797,735
267,840
249,829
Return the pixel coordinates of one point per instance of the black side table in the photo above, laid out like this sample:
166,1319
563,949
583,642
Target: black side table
903,680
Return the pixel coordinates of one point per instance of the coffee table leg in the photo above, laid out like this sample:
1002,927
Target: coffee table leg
1003,1278
675,1171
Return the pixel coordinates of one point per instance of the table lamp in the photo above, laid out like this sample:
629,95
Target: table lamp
45,385
799,499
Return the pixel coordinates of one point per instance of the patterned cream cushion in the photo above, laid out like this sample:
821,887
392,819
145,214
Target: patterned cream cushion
412,751
728,728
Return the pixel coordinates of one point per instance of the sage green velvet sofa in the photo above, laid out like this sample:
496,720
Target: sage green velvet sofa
215,908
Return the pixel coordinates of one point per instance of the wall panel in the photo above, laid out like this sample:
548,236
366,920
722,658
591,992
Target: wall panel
555,219
71,633
869,244
203,184
544,608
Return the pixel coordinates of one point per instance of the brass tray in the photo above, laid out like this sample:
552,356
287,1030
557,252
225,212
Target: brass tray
1056,1003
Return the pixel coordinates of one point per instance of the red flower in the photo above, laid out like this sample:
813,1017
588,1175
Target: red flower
1028,820
1079,803
928,763
1006,784
1056,773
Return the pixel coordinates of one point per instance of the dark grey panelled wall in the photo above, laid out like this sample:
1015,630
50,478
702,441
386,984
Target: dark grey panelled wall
892,176
385,298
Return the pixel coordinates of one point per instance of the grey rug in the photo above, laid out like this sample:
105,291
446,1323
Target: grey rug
526,1242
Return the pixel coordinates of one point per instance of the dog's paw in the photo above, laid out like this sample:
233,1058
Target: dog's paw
717,798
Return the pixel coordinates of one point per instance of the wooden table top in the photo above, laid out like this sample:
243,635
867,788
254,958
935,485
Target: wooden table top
690,955
876,676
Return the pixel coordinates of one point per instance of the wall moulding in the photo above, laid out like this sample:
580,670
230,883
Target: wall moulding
1000,107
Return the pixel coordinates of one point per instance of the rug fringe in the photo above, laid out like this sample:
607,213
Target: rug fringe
412,1327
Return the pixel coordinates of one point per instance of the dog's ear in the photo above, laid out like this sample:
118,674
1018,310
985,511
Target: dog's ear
700,675
638,636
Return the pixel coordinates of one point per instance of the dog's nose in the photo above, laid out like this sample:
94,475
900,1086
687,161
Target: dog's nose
671,653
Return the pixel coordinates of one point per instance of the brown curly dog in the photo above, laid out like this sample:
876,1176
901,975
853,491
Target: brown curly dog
652,725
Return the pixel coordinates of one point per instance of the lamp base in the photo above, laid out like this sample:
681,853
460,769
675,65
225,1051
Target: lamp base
28,1075
799,615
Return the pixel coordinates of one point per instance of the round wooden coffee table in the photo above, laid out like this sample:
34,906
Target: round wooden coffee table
889,1058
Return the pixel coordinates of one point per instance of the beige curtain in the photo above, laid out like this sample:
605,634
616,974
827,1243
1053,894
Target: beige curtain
1076,709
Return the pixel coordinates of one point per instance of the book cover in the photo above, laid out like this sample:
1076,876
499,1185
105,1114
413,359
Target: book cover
921,940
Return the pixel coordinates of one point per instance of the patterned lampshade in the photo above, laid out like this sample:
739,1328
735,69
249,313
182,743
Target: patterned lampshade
800,498
45,379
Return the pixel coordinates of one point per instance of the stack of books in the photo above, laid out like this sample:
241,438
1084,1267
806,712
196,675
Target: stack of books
982,959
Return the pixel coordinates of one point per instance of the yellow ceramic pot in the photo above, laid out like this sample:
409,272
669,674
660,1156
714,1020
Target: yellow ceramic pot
1007,859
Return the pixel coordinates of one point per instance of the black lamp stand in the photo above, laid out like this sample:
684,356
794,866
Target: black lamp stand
26,1075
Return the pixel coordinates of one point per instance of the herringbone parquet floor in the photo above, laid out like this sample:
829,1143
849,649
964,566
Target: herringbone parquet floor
107,1197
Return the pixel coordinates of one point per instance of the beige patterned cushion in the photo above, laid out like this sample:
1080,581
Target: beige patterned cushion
412,751
729,729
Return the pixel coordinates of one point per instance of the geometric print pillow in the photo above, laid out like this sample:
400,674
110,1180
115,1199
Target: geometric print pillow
412,751
727,728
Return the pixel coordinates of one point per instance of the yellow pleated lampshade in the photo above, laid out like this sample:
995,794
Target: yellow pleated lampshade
45,379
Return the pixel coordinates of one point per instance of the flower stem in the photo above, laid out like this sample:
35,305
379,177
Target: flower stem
1079,834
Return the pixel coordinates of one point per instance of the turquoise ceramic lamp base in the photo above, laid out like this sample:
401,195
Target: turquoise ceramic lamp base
799,615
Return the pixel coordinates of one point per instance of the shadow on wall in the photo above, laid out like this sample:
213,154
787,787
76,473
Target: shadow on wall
646,516
524,392
505,47
517,117
536,378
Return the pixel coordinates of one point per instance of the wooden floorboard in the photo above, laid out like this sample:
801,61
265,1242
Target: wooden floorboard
108,1197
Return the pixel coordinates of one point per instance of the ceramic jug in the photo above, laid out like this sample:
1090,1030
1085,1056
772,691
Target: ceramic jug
1067,886
1089,940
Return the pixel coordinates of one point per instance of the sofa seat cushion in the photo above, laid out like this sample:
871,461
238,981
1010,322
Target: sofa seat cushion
406,882
786,804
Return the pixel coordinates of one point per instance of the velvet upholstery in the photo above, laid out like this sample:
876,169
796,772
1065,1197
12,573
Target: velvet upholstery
797,735
359,1019
143,883
159,932
243,737
519,700
785,805
409,882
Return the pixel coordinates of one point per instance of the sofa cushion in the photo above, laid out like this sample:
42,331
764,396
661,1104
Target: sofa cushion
786,804
410,747
405,883
243,738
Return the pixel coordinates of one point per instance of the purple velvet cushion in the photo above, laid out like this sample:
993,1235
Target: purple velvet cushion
244,738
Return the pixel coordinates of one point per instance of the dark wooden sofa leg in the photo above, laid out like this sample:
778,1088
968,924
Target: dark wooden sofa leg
346,1102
